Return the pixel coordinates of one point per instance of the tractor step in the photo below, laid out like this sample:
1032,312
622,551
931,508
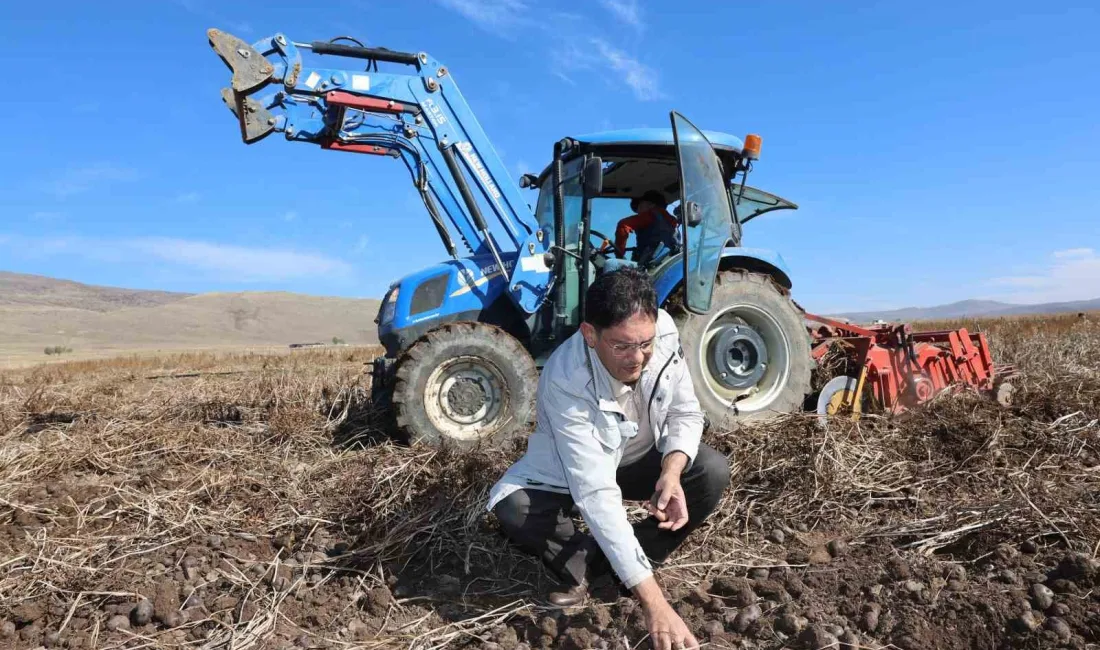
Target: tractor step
256,121
251,70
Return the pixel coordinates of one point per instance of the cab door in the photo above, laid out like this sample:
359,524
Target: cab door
705,210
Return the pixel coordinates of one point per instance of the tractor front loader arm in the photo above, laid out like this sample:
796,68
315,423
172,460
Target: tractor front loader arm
420,118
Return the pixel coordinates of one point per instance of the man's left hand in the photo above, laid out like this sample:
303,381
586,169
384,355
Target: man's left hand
668,504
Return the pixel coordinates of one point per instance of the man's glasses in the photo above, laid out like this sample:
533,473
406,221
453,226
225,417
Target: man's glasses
623,349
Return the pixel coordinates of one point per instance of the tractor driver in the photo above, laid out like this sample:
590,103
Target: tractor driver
617,418
651,224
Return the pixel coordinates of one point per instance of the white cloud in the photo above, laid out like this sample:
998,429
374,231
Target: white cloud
627,11
290,215
493,15
1070,253
188,197
639,77
568,37
361,244
239,262
81,179
224,262
1074,274
564,77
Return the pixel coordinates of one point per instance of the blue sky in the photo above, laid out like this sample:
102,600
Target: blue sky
937,151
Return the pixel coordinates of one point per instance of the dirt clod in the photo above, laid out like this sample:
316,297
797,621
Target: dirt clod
788,624
897,569
1026,622
377,601
1059,627
837,547
118,622
549,626
1076,566
165,601
871,612
7,630
738,590
777,536
507,638
746,617
816,638
577,639
1041,597
849,640
142,613
714,630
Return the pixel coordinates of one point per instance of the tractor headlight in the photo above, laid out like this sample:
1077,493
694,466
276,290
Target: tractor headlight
389,306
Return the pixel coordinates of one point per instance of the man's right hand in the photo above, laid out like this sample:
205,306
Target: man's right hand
667,630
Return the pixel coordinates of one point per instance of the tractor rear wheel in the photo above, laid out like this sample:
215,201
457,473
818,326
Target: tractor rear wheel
749,357
464,384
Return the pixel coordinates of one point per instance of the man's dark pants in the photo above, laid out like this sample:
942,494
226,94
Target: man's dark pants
541,523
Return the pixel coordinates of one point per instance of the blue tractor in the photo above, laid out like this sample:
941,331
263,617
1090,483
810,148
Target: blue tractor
464,339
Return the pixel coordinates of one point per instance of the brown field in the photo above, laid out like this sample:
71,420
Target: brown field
95,322
240,501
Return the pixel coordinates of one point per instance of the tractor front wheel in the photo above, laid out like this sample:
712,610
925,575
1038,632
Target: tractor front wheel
464,384
749,356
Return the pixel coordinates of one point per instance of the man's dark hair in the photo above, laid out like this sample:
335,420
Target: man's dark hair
618,295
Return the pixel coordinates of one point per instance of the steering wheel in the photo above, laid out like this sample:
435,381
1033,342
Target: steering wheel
604,247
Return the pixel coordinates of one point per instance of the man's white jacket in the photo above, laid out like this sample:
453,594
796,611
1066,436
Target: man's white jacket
581,432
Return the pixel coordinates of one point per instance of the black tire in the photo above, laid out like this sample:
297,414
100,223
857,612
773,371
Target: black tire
757,302
445,384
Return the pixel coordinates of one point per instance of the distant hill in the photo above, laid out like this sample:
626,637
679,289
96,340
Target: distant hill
20,289
971,309
36,312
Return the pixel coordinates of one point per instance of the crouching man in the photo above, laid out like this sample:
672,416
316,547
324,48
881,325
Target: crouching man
617,419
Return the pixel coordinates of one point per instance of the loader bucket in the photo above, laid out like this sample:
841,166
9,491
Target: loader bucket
251,70
255,120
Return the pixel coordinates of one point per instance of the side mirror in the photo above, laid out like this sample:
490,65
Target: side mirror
593,176
693,214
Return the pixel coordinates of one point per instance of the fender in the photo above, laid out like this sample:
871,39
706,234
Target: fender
757,260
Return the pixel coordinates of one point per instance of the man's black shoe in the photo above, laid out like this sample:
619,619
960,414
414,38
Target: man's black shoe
569,596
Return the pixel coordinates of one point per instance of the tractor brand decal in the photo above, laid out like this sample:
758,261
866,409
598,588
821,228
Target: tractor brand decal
435,113
360,82
467,283
493,269
534,264
468,153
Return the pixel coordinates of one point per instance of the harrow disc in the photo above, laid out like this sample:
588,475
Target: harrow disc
835,395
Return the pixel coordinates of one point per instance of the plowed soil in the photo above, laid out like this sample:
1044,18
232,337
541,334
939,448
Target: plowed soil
247,502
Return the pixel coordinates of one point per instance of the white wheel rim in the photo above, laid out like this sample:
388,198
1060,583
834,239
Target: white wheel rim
778,372
455,419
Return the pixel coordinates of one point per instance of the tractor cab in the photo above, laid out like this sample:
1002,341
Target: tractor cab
601,178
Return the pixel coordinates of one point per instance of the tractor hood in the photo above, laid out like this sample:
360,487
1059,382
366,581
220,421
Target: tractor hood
450,290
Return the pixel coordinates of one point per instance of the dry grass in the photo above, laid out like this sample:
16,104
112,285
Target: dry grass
253,483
